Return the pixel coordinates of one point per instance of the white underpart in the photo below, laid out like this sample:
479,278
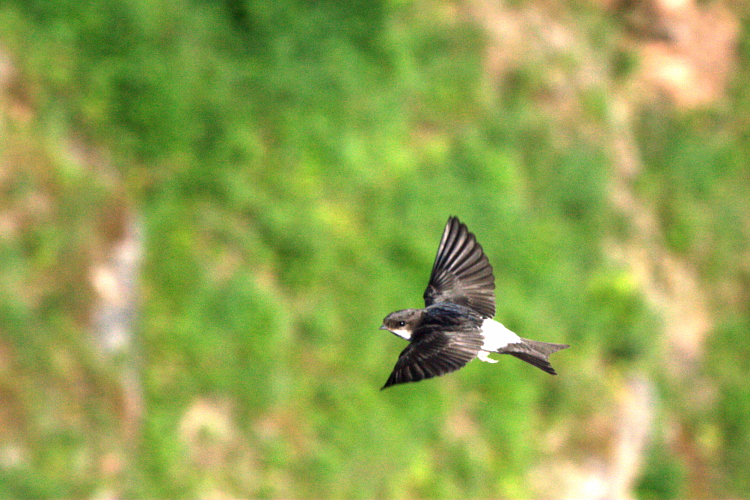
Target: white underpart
403,333
496,336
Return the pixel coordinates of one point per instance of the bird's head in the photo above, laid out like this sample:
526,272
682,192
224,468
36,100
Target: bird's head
402,323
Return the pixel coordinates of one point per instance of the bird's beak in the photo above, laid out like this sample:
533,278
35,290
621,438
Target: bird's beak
383,327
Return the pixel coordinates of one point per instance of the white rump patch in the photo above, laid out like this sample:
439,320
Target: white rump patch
496,336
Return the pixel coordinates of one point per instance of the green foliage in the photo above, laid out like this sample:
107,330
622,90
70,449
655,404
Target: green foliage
663,476
293,164
728,361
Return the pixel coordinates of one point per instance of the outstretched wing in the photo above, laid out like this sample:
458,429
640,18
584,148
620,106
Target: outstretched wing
461,273
434,355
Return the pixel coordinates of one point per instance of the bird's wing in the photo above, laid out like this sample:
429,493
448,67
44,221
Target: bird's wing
434,355
461,273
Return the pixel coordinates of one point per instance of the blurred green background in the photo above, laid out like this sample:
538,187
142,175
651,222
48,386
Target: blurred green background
208,206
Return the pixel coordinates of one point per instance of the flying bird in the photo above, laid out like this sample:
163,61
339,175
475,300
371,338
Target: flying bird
456,323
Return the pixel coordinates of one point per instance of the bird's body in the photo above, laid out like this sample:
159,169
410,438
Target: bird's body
456,324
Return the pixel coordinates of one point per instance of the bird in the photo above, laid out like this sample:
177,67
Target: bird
456,325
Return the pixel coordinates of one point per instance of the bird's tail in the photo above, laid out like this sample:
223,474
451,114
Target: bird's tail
534,352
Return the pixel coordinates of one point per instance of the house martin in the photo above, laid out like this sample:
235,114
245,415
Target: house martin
456,323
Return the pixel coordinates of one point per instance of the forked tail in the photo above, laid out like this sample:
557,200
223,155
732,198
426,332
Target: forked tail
534,352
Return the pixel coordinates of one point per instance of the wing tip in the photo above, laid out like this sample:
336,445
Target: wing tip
472,278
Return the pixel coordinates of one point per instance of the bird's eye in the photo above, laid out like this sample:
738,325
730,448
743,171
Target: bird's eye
402,323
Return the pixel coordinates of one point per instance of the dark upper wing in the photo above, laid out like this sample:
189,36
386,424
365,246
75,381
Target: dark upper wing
434,355
461,273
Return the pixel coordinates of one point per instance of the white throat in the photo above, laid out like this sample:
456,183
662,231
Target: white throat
403,333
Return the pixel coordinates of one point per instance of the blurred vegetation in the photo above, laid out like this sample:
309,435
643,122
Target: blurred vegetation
292,165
